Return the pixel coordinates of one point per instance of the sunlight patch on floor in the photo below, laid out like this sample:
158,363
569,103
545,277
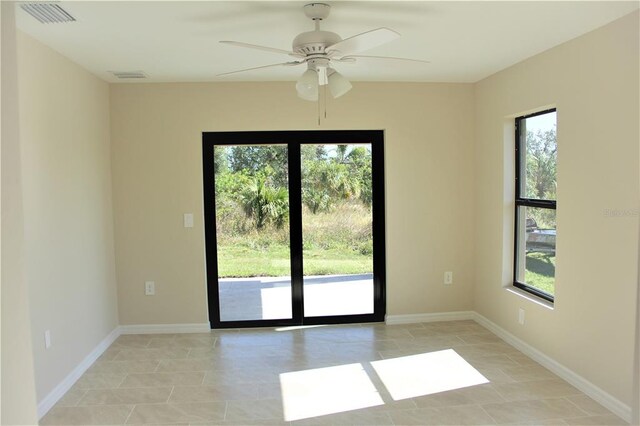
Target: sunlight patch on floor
425,374
323,391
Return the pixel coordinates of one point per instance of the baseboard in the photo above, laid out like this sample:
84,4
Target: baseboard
433,317
165,328
605,399
58,392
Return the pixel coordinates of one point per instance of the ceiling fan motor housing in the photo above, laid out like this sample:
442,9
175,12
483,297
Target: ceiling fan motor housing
314,42
317,11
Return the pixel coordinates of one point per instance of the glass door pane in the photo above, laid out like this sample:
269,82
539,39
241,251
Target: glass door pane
252,232
337,229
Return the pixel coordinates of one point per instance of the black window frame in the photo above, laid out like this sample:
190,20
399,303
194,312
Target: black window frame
521,201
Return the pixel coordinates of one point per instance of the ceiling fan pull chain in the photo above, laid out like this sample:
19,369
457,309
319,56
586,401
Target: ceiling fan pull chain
324,95
318,110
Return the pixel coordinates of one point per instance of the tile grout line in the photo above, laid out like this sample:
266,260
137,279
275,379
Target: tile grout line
80,399
122,381
391,418
576,405
129,415
489,414
170,393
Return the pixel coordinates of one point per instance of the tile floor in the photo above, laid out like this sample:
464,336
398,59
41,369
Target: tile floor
445,373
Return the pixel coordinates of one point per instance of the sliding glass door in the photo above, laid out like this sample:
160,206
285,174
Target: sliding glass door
294,227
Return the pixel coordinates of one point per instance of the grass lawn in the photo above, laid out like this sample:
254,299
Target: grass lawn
540,271
241,261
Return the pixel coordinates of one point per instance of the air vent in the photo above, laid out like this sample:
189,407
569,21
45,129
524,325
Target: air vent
127,75
47,13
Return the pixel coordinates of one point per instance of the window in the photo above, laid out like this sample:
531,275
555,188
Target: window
535,205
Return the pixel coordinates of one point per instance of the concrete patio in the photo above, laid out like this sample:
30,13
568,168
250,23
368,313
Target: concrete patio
256,298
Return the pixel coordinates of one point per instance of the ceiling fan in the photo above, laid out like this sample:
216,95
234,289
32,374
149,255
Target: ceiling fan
320,49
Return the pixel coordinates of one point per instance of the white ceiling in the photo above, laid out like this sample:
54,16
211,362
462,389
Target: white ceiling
177,41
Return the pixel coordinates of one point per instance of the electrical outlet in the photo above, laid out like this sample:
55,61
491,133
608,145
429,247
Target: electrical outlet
448,278
149,288
47,339
521,316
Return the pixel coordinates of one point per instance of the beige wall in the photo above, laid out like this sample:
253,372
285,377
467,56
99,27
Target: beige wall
593,81
64,125
445,142
156,144
18,394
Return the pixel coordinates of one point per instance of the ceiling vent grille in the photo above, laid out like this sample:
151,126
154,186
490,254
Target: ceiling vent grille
127,75
47,13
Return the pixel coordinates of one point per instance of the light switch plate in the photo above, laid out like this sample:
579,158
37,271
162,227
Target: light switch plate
188,220
149,288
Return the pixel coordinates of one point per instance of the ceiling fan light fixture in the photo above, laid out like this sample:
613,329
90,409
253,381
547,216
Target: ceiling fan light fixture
313,96
338,84
307,85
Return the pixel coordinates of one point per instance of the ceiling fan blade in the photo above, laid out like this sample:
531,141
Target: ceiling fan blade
265,48
364,41
283,64
345,59
352,58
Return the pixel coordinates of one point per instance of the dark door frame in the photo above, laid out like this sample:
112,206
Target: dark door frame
294,139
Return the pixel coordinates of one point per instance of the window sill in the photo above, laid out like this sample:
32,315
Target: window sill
530,297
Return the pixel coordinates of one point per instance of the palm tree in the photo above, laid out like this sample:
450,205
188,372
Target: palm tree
265,204
341,153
